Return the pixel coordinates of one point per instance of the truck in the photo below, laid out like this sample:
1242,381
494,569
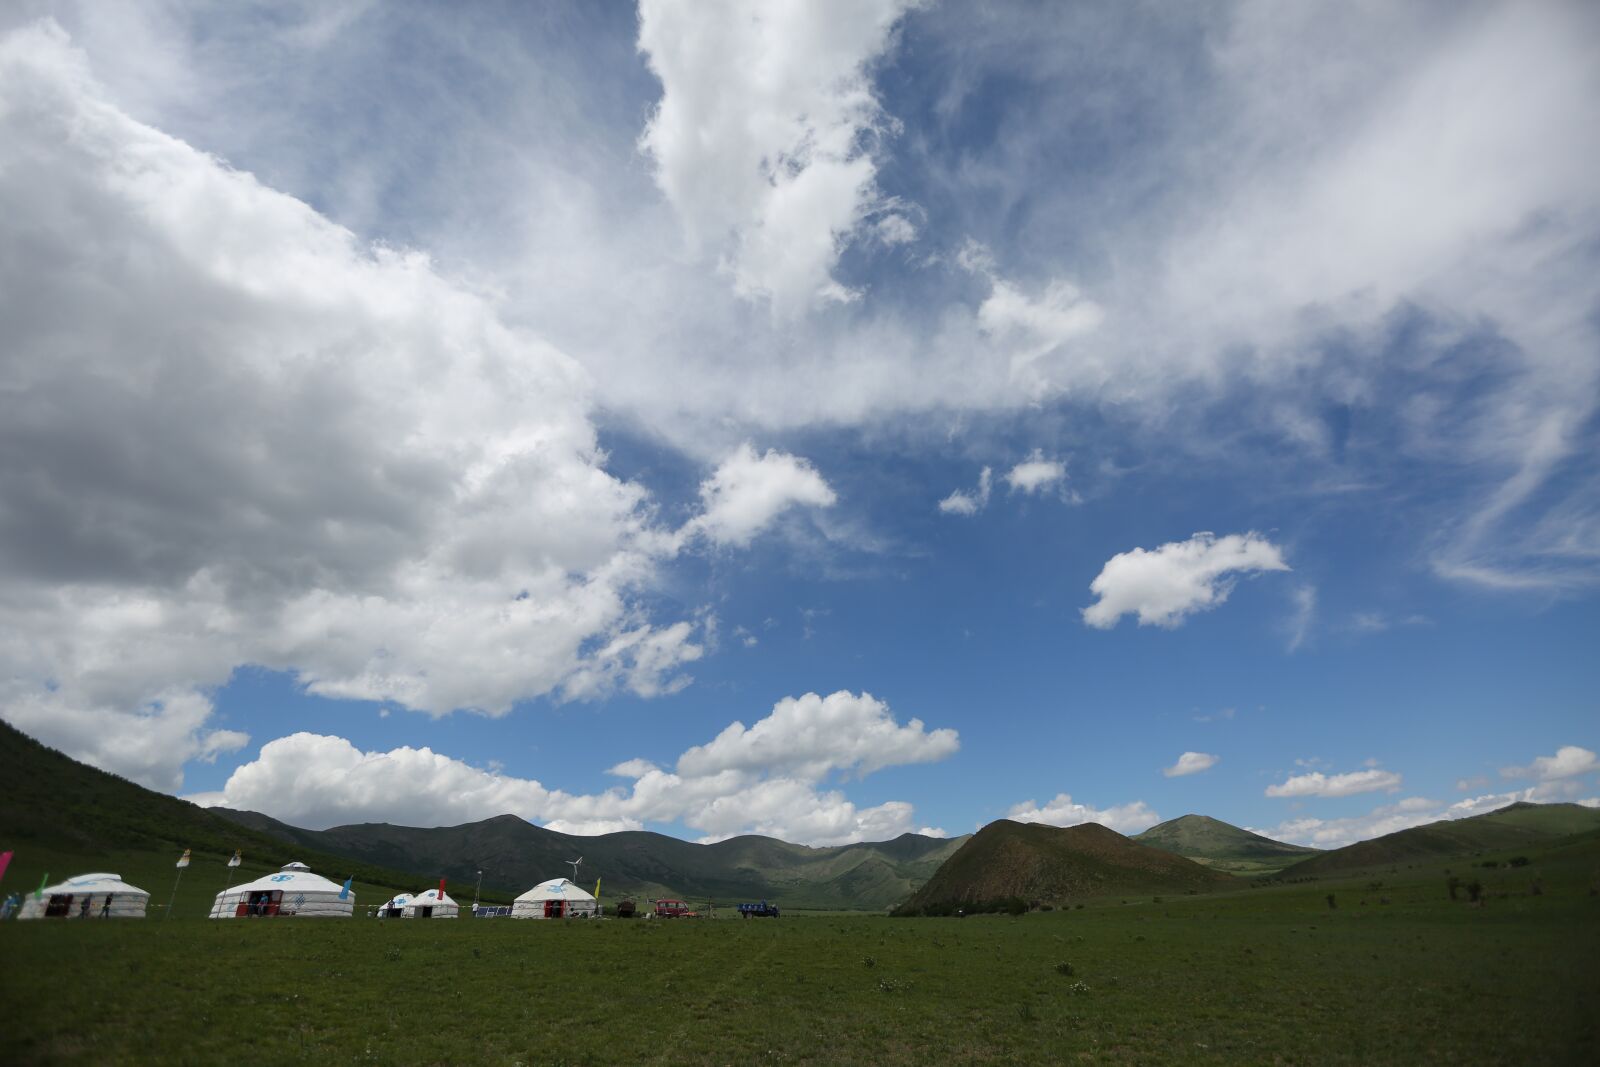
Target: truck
762,910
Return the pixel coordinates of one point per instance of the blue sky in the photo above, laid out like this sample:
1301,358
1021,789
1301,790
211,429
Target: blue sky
827,420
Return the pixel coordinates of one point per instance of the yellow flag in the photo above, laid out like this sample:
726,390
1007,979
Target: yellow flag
597,889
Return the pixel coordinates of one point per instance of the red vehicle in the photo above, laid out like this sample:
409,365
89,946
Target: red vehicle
674,909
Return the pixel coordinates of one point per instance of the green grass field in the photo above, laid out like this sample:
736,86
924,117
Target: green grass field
1267,975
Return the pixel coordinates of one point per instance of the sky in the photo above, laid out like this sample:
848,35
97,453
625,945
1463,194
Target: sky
827,419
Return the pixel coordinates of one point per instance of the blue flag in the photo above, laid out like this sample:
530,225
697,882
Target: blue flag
345,892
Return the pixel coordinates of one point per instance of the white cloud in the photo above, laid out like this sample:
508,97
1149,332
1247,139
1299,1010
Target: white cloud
764,779
1190,763
1035,473
1064,811
1305,609
236,433
749,490
1568,761
810,735
960,502
1317,784
761,139
933,831
1181,577
1404,814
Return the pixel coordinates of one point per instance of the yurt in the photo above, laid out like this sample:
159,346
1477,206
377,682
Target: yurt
431,905
88,896
395,906
294,890
556,899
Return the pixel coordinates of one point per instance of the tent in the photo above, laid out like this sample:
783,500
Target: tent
556,899
88,896
431,905
294,890
395,907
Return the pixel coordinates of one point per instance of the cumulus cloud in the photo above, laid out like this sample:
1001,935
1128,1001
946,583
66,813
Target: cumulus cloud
748,490
961,502
1164,586
762,779
1035,473
1064,811
810,735
1317,784
761,140
1190,763
236,433
1568,761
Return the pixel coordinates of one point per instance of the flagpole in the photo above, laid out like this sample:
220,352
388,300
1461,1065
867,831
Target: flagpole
173,899
183,861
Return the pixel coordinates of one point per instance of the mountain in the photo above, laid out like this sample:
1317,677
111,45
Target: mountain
1217,844
514,853
62,816
1049,863
1519,825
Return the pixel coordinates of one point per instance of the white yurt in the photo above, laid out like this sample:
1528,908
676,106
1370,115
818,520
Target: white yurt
431,905
395,906
294,890
88,896
556,899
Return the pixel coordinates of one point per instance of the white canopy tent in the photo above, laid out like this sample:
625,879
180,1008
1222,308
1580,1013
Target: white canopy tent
88,896
395,906
431,905
294,890
556,899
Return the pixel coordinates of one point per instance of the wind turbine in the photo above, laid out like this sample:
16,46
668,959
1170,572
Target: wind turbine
574,864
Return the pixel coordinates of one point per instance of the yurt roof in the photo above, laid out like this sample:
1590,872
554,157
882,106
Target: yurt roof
293,876
399,900
429,899
99,882
556,889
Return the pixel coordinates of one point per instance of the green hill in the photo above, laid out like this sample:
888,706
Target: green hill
1516,826
513,852
1033,862
64,818
1217,844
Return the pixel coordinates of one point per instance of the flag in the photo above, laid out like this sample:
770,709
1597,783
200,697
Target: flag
37,893
597,889
183,860
237,859
441,890
5,861
344,894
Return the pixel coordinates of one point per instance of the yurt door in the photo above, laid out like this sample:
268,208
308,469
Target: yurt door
60,906
552,909
425,912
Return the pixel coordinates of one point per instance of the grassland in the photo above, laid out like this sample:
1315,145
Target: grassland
1265,975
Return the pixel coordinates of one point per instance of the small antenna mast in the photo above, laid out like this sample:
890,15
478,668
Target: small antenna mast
575,864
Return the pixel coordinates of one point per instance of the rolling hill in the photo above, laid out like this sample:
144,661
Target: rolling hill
1049,863
62,816
513,852
1217,844
1515,826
